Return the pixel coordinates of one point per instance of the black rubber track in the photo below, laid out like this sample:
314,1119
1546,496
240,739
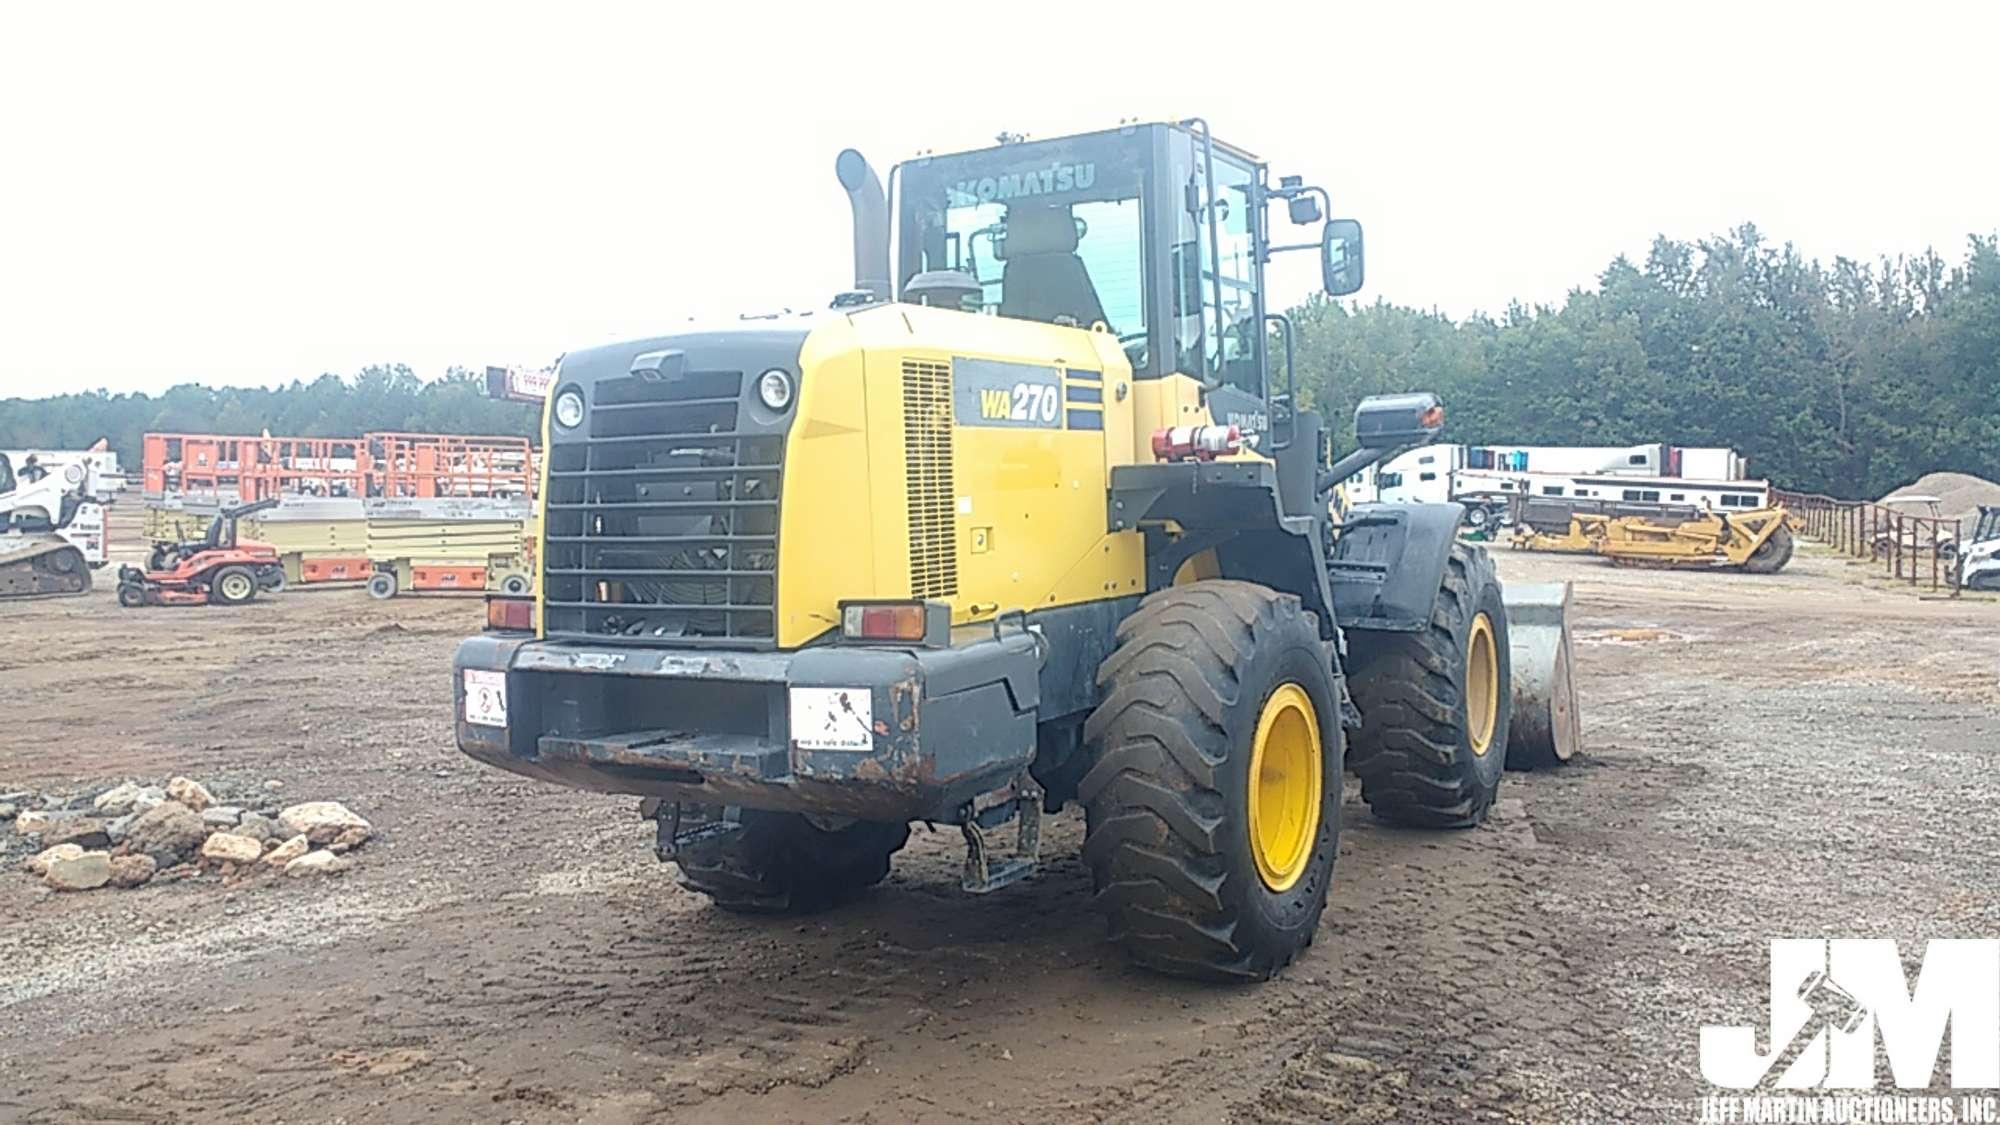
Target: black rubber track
1166,838
780,863
1413,752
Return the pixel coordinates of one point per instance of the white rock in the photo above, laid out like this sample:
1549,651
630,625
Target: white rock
189,792
149,797
222,816
38,864
288,851
228,848
85,872
317,863
117,802
31,823
319,821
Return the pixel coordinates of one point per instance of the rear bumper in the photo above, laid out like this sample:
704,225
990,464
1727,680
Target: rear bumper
715,727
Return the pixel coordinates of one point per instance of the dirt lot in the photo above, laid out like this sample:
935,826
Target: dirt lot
1802,755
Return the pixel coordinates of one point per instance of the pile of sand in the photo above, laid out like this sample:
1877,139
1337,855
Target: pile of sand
1959,494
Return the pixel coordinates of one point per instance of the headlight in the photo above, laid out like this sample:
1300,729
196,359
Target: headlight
569,410
774,387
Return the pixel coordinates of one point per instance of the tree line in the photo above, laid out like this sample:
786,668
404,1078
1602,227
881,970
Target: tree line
1848,379
385,397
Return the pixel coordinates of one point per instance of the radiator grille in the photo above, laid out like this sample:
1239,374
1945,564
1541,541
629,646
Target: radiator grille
927,468
663,523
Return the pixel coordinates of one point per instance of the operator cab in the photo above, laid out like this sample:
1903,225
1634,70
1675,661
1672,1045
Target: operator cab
1157,234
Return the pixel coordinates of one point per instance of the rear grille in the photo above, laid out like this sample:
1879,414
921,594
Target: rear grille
927,467
664,524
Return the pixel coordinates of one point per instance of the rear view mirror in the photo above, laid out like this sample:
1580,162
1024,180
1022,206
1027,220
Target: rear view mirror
1395,421
1340,259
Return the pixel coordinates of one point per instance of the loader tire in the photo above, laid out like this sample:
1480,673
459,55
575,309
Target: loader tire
1772,554
1212,807
781,863
1435,704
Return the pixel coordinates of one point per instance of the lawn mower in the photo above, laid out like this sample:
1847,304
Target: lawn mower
218,568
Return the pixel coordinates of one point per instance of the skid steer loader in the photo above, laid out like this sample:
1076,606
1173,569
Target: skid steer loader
51,530
1030,517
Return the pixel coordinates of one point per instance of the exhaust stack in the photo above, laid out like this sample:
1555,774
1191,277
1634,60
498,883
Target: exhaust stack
871,222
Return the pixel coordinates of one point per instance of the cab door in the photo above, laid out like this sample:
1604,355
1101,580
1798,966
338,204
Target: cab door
1218,286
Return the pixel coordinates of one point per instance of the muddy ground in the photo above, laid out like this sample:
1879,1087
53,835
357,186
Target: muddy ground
1802,755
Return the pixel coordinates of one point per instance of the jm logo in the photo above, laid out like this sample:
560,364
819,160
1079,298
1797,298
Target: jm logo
1830,999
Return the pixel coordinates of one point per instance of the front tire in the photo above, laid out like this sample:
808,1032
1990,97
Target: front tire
1212,812
1435,704
782,863
232,585
382,585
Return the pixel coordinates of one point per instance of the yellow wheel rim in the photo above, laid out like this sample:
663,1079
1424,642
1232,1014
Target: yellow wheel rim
1482,685
1286,780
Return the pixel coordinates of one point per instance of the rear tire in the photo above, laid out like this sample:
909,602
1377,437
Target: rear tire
1771,556
232,585
1212,809
781,863
1435,705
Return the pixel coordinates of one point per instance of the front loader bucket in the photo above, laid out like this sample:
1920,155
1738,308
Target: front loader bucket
1545,731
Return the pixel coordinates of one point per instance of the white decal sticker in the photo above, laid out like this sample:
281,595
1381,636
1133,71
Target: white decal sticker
485,698
833,719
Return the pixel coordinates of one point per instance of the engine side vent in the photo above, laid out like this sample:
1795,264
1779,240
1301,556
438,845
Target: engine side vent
927,468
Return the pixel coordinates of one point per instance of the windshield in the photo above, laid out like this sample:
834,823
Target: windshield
1052,232
6,476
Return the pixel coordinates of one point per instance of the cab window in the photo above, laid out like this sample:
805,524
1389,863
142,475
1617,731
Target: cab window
6,475
1053,233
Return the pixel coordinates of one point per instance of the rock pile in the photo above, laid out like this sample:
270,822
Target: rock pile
130,835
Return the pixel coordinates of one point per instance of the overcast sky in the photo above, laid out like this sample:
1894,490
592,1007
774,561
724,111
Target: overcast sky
257,193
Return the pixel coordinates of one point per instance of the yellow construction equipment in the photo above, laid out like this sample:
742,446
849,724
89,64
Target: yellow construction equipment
1758,542
1031,516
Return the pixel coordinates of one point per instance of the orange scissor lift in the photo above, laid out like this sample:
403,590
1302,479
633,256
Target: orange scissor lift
401,511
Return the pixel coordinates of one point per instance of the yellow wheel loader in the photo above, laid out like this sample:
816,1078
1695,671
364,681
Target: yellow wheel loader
1030,517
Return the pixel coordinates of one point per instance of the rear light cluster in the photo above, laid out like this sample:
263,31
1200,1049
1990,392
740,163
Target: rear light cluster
510,615
883,622
1196,443
902,622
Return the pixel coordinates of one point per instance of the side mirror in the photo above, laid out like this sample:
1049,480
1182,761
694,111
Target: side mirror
1340,260
1395,421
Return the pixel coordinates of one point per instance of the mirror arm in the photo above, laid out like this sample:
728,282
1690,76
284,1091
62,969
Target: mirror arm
1326,206
1355,462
